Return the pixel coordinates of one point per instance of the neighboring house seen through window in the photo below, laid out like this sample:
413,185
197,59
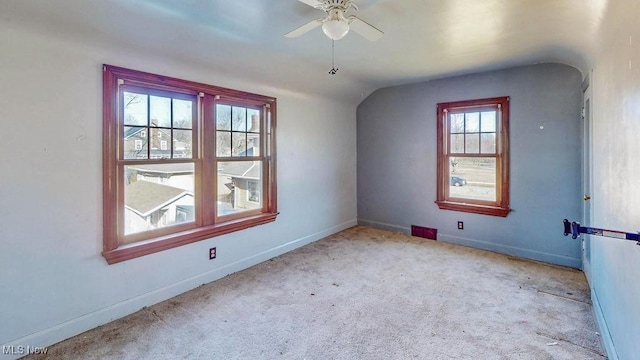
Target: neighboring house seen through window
181,160
473,156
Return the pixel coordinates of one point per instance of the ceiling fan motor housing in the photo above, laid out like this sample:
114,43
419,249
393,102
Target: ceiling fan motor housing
343,5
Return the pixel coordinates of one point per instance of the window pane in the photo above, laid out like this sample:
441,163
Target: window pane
182,144
488,143
457,123
253,144
223,143
472,122
239,117
223,117
182,114
254,120
472,178
156,136
472,143
238,144
239,186
457,143
135,143
160,111
135,108
488,123
158,196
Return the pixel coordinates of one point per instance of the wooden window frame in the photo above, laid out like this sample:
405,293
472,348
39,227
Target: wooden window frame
446,202
207,223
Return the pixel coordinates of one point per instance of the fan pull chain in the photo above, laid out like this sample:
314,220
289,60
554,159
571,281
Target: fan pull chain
333,70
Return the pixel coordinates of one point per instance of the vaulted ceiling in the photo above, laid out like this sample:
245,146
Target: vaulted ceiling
424,39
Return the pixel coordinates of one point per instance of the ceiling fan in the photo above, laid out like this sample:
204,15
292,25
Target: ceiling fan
336,24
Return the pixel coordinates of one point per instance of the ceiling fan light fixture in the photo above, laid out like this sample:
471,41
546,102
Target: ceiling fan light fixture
335,29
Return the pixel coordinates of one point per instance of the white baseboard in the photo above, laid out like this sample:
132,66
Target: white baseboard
99,317
605,335
384,226
484,245
575,263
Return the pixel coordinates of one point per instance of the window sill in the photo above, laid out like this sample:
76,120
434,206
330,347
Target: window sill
138,249
474,208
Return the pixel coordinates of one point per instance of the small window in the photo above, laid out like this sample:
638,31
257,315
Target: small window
473,156
183,162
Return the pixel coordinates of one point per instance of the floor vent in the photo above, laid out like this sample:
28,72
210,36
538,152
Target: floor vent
424,232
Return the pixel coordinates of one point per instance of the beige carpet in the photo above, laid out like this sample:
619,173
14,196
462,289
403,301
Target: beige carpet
364,294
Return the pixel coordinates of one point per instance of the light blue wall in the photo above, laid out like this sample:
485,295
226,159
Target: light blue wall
615,264
396,143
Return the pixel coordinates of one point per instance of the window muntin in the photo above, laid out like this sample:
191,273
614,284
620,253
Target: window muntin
170,115
473,156
162,167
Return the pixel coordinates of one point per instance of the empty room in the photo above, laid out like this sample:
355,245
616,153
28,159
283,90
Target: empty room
435,179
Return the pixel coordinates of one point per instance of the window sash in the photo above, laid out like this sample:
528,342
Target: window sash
206,223
446,151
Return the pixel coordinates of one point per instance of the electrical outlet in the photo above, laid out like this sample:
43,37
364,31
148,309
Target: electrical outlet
212,253
460,225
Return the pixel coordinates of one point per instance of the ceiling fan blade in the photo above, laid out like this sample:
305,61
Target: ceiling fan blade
313,3
365,29
304,28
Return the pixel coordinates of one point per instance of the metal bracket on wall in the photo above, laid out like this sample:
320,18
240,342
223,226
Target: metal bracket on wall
575,229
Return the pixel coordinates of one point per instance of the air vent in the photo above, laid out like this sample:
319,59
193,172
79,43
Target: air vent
424,232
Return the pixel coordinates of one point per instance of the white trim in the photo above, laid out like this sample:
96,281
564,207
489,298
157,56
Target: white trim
571,262
384,226
102,316
575,263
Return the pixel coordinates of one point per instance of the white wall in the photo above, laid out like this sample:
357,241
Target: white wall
615,264
54,281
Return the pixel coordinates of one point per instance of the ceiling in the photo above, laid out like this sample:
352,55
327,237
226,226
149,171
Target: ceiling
424,39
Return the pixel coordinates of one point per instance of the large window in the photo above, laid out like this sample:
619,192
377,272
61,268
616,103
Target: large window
473,156
182,162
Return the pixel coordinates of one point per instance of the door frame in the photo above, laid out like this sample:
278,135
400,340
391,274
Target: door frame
587,171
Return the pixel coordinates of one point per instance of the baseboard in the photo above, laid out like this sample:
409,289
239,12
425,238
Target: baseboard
384,226
484,245
575,263
605,335
99,317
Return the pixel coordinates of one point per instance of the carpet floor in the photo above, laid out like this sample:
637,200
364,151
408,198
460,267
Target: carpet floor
363,294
